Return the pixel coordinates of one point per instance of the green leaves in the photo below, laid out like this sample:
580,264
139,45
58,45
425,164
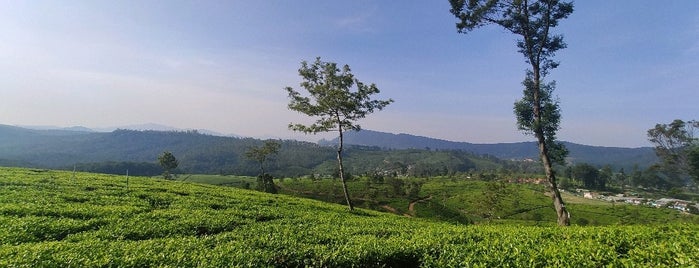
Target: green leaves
677,146
92,221
336,98
548,122
168,162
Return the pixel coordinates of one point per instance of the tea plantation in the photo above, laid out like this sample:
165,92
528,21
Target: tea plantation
62,219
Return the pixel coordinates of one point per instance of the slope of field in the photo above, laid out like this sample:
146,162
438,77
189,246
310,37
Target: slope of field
61,219
461,200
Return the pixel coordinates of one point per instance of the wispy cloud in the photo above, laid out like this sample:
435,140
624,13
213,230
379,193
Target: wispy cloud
360,22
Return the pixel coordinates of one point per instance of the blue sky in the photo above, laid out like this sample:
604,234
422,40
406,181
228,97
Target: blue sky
222,65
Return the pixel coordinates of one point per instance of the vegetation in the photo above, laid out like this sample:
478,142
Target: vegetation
589,176
205,154
120,167
333,102
616,157
61,219
168,162
677,145
537,113
483,198
261,154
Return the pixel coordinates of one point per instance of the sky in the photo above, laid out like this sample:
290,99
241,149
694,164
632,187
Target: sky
223,66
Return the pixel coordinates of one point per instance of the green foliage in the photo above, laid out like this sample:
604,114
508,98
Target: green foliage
548,120
50,219
333,102
205,154
693,157
455,199
168,162
261,154
265,182
331,98
676,145
537,113
120,168
589,176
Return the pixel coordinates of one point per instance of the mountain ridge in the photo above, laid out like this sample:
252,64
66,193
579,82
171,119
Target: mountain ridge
205,153
620,157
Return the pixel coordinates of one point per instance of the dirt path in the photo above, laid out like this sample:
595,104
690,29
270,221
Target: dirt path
389,208
395,211
411,208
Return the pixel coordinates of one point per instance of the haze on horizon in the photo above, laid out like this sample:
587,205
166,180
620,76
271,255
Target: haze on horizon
222,66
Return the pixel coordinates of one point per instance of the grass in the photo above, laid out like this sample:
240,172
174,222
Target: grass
61,219
465,201
244,182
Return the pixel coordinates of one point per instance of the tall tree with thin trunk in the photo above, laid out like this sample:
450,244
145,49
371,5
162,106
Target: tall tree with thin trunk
537,112
265,182
337,100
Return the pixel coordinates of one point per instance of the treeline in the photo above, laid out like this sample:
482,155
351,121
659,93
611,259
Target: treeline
137,151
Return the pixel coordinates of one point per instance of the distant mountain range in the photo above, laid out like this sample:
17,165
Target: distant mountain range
596,155
137,151
147,126
201,152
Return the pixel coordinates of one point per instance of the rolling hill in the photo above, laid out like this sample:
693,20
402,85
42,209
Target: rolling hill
66,219
596,155
201,153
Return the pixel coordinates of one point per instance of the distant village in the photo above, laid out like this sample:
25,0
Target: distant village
673,203
678,204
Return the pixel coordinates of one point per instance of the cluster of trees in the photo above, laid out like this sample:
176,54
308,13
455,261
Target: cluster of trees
677,145
589,176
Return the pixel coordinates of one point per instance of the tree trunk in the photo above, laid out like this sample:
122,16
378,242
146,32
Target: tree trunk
558,204
342,171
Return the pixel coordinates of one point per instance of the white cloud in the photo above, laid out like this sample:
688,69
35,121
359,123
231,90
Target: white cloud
359,22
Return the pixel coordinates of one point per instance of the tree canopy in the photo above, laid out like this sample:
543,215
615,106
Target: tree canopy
168,162
337,100
537,112
677,145
332,100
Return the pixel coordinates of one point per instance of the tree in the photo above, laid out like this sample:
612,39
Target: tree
605,176
537,113
621,178
168,162
693,157
261,154
589,176
333,103
677,146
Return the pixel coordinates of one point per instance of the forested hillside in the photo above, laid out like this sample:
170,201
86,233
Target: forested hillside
596,155
137,151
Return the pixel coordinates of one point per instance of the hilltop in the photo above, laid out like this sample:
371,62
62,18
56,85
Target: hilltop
596,155
54,218
119,150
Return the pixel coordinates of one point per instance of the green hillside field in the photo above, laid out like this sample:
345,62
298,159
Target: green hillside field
61,219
